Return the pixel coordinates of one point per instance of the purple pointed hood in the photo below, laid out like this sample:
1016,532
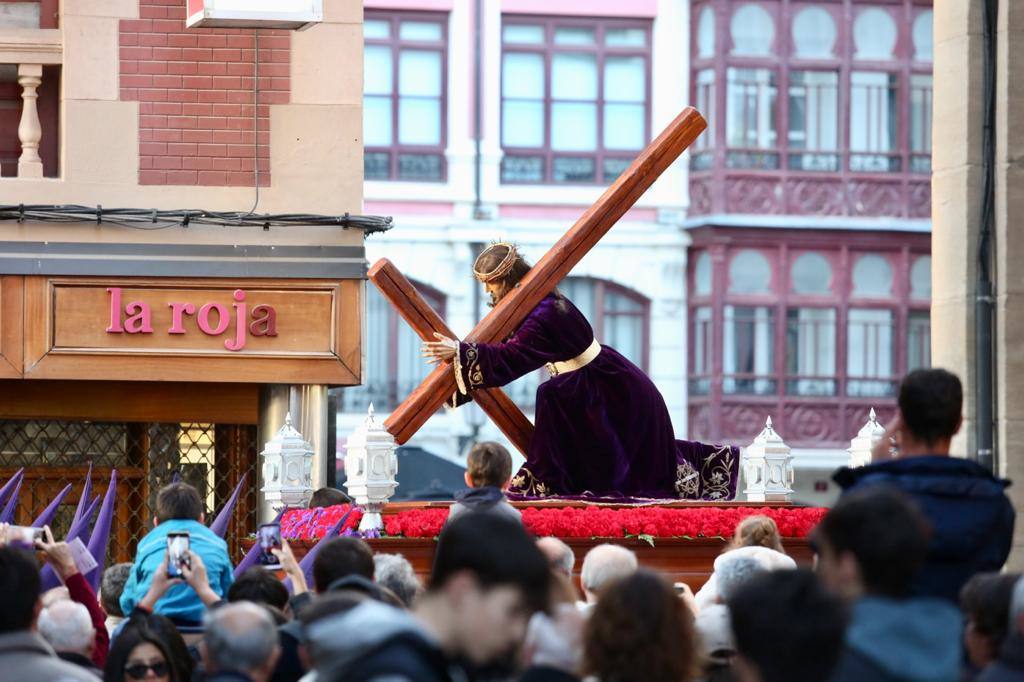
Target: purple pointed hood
11,484
78,528
220,524
100,537
47,514
7,516
83,500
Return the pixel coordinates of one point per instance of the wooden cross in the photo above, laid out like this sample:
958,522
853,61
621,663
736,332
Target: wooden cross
513,308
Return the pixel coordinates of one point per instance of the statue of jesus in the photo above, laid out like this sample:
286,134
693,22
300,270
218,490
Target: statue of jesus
602,427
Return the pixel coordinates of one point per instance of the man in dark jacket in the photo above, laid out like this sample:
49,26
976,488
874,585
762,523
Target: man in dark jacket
870,546
1009,667
488,579
970,516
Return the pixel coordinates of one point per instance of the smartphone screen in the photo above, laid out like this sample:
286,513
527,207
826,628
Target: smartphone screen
177,554
25,535
269,537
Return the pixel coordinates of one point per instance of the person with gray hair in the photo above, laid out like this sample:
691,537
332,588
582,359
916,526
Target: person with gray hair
1009,667
67,626
111,587
733,572
394,572
240,643
604,565
559,555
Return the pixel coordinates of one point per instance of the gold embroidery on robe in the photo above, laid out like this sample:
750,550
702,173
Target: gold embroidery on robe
716,474
687,481
526,483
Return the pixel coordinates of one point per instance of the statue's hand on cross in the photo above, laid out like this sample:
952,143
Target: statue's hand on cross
442,350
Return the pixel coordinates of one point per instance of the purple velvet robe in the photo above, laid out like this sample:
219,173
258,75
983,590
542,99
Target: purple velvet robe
602,430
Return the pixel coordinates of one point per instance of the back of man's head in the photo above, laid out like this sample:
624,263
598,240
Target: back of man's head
394,572
560,556
19,585
931,401
259,586
489,464
112,586
733,572
67,626
240,637
339,558
605,564
787,627
496,551
178,501
885,533
328,497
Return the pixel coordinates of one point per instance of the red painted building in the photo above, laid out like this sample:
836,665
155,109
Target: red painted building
809,273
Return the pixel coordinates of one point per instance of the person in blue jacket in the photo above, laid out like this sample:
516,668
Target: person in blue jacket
178,509
970,516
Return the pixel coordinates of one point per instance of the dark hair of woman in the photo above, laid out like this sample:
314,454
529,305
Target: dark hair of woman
640,630
137,631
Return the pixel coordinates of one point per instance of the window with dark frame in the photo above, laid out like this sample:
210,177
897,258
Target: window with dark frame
405,96
795,75
575,98
863,313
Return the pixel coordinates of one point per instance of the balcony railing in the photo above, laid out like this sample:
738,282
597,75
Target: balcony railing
29,50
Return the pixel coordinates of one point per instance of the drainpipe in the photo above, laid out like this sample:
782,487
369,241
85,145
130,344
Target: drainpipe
478,28
984,302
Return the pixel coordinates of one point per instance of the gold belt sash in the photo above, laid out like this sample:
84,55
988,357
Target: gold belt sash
578,362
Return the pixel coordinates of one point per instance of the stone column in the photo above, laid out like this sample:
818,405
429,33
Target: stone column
308,408
956,210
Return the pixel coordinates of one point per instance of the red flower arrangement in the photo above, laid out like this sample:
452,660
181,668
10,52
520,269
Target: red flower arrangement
571,522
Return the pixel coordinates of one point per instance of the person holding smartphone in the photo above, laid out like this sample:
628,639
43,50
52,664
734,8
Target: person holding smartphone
181,565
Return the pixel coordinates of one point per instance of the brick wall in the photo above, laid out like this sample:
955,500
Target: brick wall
195,94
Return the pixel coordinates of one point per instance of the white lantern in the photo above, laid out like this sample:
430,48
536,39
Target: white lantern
287,468
371,466
768,467
864,442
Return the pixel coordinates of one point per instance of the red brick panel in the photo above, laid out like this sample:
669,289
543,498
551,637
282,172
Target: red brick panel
195,93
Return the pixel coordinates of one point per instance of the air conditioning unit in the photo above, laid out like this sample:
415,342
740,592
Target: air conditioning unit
294,14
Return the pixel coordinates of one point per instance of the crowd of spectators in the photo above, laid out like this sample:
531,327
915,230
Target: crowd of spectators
906,585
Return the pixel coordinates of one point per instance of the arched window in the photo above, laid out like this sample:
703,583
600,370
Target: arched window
811,274
923,36
872,277
706,33
702,274
749,273
921,279
753,31
814,33
393,363
874,34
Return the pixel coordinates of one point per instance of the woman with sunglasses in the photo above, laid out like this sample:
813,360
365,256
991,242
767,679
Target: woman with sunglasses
140,653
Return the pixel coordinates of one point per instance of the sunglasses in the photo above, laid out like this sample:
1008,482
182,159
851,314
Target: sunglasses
138,670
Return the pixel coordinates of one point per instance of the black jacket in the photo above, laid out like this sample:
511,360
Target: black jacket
970,515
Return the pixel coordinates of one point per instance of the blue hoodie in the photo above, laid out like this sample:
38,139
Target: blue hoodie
181,601
905,640
970,516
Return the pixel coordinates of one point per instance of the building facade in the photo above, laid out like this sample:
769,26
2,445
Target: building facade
780,269
557,105
152,320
